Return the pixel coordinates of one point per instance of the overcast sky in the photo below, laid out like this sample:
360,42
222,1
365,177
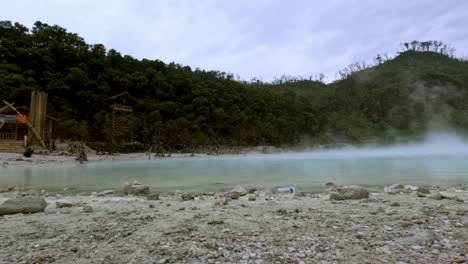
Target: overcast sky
253,38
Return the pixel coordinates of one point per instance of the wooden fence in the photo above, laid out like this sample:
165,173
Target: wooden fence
7,136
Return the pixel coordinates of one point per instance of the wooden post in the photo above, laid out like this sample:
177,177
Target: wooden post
33,130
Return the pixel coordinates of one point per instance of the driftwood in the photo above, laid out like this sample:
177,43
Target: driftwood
33,130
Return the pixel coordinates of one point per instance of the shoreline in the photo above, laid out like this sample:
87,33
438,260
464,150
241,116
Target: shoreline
7,158
262,227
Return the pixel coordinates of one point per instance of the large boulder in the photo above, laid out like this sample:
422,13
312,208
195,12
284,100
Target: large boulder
135,188
349,193
23,205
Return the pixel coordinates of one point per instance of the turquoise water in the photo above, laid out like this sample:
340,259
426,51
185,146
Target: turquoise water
306,171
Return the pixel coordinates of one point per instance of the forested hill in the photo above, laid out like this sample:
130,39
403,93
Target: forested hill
180,106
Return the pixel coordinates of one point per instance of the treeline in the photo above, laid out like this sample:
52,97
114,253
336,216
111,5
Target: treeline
180,107
176,105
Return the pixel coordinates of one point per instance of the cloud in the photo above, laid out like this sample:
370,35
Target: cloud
253,38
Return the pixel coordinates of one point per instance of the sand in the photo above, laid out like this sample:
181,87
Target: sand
274,228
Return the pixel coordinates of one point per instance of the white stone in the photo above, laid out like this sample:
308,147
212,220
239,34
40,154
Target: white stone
63,203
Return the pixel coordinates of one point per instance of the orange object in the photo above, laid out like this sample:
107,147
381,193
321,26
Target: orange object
21,118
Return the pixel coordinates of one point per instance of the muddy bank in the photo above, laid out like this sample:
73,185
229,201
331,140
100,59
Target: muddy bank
263,227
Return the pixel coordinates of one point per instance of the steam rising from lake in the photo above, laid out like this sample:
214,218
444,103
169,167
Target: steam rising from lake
435,144
440,159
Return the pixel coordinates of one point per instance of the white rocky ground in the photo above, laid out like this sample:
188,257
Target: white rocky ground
272,228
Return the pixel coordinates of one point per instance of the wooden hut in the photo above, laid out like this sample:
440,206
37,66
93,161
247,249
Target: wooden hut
22,126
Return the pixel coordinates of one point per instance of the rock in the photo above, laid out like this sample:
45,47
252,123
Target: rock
25,205
420,194
162,261
252,198
252,190
457,260
329,185
63,203
447,195
434,196
152,197
8,189
423,190
232,195
135,188
347,193
336,196
395,204
222,202
425,238
216,222
151,206
411,187
88,209
105,193
187,197
395,188
240,190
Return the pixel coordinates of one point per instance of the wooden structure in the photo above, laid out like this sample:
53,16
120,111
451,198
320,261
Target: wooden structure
35,128
11,131
122,106
37,116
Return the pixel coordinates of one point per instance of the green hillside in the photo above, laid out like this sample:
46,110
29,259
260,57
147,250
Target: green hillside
191,108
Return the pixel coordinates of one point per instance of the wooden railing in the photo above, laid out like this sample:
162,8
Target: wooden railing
121,107
7,136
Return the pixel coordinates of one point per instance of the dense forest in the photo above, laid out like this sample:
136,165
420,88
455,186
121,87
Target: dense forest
392,99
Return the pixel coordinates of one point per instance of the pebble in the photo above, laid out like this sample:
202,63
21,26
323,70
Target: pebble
388,228
88,209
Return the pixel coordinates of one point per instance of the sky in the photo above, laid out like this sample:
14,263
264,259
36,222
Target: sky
253,38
